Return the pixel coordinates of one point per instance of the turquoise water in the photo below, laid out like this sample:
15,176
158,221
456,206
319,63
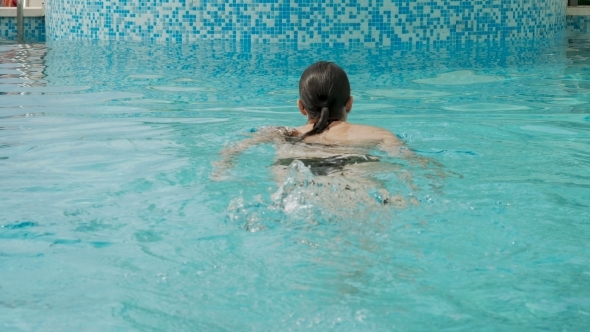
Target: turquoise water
110,221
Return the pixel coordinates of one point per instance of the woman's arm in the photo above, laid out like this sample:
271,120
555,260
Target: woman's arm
262,136
393,145
396,147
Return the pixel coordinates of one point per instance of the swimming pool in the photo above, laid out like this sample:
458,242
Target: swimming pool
109,219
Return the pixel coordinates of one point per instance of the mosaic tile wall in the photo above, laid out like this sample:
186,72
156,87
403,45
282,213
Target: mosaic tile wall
578,23
306,22
34,28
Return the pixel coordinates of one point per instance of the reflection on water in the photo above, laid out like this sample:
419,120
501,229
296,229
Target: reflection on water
22,64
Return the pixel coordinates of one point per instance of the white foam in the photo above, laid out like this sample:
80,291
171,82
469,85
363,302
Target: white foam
291,195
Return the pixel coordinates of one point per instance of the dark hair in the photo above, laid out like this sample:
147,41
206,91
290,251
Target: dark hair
324,90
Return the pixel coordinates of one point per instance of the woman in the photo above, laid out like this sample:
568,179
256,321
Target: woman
324,92
325,100
335,152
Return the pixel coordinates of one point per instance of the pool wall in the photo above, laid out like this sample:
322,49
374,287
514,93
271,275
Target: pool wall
34,28
33,24
304,22
578,19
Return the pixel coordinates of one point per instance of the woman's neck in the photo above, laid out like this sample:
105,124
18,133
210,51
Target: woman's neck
313,121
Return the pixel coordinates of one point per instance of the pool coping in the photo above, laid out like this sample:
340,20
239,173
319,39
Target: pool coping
578,11
27,12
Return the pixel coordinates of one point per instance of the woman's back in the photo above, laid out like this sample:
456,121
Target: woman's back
327,139
353,135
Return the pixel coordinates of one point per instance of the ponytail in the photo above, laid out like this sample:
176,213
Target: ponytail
323,91
321,124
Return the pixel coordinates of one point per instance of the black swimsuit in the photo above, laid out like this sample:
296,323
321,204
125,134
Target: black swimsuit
325,166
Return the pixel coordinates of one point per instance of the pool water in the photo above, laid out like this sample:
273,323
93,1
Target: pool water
110,219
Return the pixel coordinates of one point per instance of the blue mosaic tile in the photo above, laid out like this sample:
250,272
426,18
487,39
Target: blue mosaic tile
34,28
578,23
305,22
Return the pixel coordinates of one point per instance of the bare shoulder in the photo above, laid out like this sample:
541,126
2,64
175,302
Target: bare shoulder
352,135
371,133
372,129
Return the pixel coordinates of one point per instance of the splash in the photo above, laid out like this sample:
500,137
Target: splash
304,198
295,193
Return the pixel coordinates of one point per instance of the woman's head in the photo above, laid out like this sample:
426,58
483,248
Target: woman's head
324,93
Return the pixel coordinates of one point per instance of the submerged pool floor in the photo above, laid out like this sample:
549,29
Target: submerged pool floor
110,219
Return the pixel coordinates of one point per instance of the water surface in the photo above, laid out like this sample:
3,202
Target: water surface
109,219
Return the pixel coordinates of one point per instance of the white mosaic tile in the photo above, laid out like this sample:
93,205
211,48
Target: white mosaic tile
305,22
